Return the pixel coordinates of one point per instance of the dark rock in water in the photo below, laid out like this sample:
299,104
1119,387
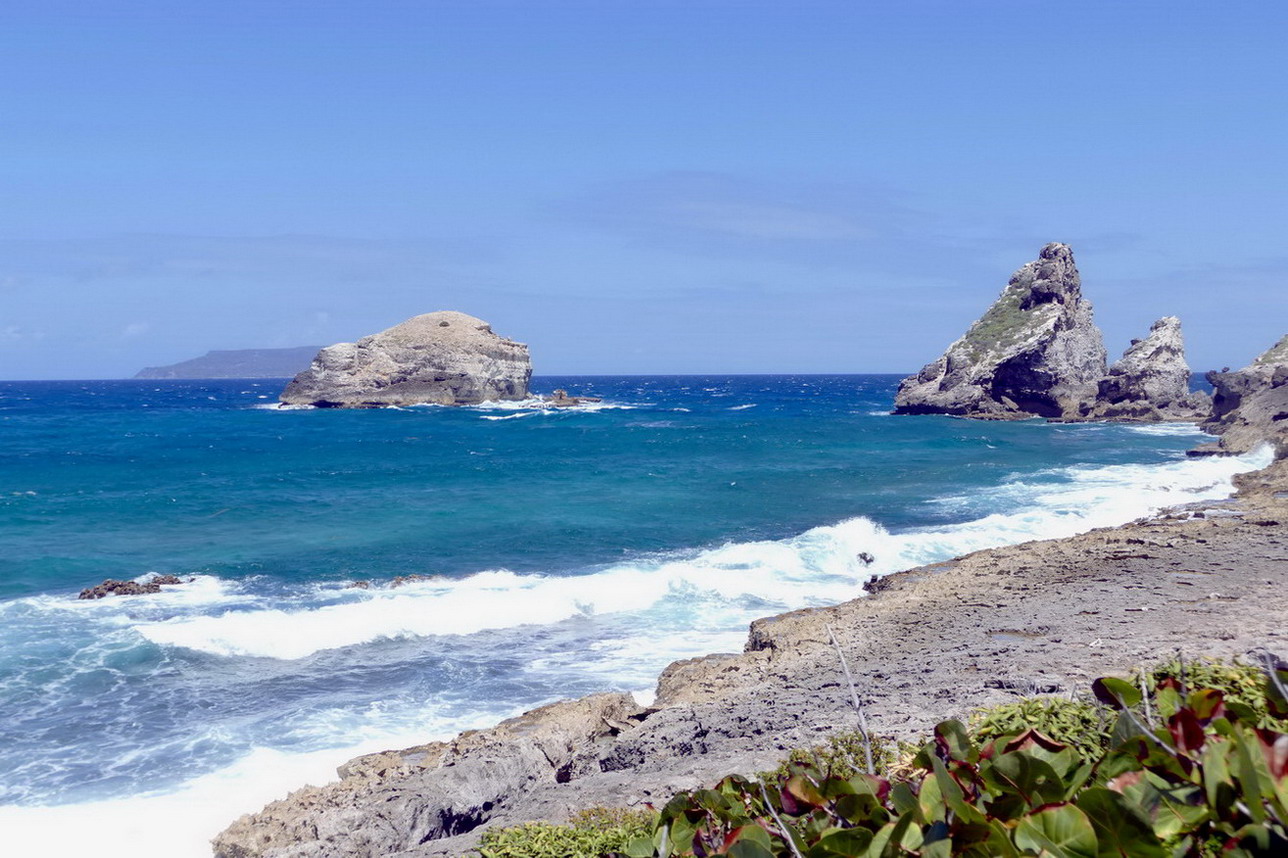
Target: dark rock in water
443,358
113,587
1036,352
1250,405
1150,382
561,399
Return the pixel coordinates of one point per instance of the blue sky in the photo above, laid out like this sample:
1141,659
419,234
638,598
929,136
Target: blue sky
632,187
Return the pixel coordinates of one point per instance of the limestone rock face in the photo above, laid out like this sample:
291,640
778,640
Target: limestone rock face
1036,352
1150,382
445,358
389,802
1250,405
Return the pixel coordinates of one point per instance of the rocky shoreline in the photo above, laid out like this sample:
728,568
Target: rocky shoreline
927,644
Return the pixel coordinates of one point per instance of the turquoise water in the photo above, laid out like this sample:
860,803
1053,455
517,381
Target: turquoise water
569,551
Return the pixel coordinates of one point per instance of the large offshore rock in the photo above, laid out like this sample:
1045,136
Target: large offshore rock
446,358
1151,381
1250,405
1036,352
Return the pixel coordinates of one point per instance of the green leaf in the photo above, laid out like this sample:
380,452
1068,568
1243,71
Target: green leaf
1118,693
1022,774
953,739
749,849
847,841
1120,830
1060,832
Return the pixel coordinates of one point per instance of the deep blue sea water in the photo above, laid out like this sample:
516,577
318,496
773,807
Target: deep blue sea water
568,551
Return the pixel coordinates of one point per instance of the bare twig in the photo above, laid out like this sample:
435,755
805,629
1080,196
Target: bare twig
1144,696
854,698
782,829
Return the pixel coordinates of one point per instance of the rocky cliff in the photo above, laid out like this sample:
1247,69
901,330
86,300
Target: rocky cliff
1150,382
445,358
1250,405
1036,352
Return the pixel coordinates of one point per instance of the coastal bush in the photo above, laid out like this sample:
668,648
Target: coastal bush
1191,773
842,756
1081,724
590,834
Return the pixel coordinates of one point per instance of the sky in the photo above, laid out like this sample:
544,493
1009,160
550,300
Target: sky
632,186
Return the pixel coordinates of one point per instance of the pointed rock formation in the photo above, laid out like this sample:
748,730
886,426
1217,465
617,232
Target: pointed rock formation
1151,382
1250,405
1036,352
445,358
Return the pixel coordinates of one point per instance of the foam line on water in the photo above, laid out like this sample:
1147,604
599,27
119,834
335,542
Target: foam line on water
819,566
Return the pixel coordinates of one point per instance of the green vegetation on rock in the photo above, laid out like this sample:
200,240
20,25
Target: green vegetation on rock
590,834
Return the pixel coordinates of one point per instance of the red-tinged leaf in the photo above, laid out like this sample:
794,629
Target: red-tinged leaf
880,787
1114,692
1033,739
1170,682
801,789
1275,747
1207,703
1187,732
1125,780
791,806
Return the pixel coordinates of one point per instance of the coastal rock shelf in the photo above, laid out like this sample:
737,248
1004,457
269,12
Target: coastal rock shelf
443,358
928,644
1250,405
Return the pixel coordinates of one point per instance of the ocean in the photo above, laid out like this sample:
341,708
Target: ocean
550,553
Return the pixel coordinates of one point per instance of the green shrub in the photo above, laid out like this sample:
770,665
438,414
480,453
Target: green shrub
1082,725
590,834
1194,776
842,756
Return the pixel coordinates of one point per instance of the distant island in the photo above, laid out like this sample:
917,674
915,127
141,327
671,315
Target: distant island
238,363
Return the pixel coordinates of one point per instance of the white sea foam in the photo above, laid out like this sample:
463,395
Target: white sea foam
743,407
180,824
728,584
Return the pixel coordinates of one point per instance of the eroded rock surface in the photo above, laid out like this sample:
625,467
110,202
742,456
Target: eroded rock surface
1036,352
114,587
1250,405
444,358
1150,382
931,643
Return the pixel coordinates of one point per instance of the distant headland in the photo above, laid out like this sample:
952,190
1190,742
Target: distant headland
237,363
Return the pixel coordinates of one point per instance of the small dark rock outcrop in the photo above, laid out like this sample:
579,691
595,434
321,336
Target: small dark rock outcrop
561,399
1150,383
113,587
443,358
1036,352
1250,405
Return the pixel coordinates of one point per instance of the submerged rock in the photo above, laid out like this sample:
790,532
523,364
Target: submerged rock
1150,382
444,358
561,399
1250,405
113,587
1036,352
